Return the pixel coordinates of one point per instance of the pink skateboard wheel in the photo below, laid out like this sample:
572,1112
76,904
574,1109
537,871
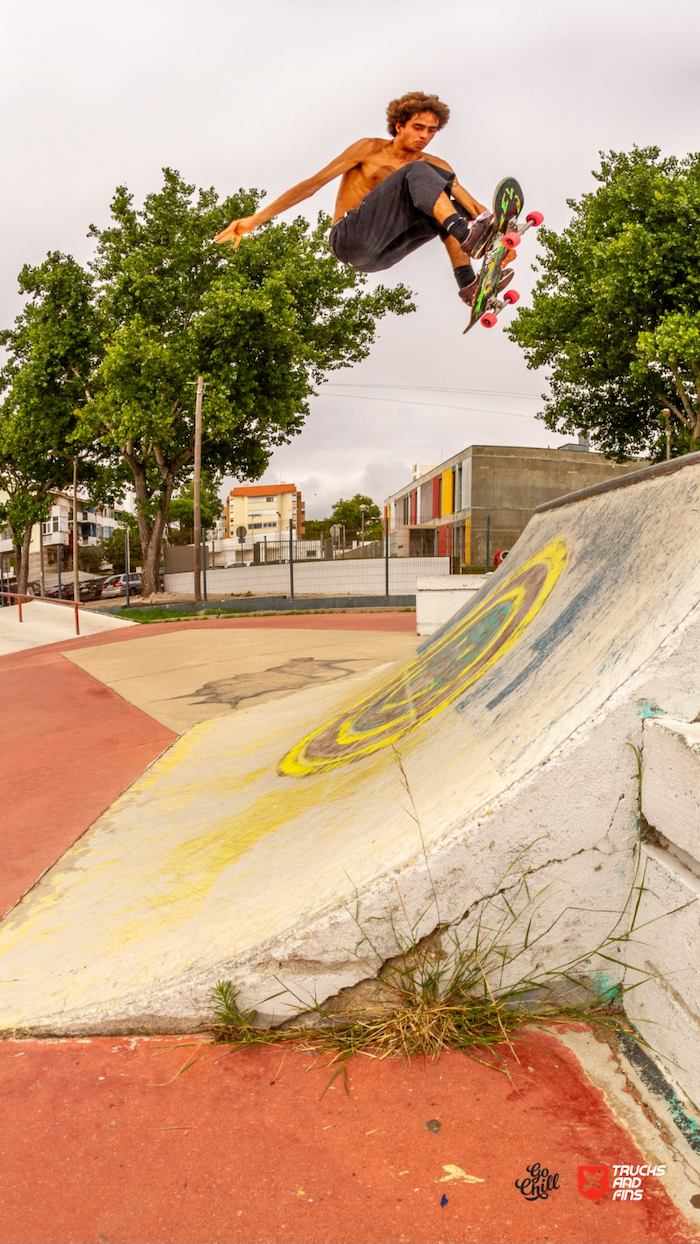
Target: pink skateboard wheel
511,240
488,320
511,296
535,219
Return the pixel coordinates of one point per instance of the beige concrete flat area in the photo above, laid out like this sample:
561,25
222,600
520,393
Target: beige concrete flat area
192,676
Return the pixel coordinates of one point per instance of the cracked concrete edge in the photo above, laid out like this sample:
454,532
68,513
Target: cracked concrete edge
646,1105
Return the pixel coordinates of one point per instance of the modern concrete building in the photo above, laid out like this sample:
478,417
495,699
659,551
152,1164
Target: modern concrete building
487,493
95,523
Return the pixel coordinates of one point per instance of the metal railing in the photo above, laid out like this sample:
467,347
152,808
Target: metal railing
52,600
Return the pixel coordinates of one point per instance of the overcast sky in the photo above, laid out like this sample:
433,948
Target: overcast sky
263,94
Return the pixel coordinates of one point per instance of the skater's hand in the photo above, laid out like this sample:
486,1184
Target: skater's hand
234,232
509,257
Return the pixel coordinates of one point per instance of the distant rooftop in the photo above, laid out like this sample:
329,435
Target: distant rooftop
261,490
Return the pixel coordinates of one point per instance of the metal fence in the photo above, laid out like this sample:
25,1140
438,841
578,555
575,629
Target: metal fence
379,576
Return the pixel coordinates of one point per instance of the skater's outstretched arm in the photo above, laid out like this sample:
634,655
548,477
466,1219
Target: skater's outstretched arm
466,200
348,159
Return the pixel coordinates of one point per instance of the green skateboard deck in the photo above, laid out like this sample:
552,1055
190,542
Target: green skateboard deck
507,232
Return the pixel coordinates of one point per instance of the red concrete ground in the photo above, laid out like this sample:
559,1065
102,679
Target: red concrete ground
69,746
104,1141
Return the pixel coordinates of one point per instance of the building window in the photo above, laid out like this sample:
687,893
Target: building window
269,498
254,526
268,524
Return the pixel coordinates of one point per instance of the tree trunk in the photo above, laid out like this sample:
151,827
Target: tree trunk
22,560
152,534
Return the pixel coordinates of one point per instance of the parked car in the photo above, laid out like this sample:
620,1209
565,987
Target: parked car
10,585
90,589
55,594
115,585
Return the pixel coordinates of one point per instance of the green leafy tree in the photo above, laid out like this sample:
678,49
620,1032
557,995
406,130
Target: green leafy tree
92,558
262,324
317,528
51,350
181,510
112,549
616,311
349,514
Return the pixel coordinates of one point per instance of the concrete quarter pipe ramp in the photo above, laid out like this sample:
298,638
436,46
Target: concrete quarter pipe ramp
254,846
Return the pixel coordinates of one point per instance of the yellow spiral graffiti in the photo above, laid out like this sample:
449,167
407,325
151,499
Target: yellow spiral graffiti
435,678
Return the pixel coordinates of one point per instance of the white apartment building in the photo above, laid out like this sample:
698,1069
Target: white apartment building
264,510
95,523
258,514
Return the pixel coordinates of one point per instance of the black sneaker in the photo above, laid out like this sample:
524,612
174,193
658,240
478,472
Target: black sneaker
467,294
479,236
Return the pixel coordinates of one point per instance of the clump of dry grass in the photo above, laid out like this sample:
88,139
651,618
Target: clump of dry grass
433,996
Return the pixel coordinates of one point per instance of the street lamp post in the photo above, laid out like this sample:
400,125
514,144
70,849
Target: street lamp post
363,511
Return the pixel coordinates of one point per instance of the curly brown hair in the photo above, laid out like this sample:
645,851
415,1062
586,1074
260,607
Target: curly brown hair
401,110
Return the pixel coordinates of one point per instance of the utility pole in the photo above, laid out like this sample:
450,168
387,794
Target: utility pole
666,416
197,491
76,568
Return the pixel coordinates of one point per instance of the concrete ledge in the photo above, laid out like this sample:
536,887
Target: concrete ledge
671,781
665,1005
253,604
439,596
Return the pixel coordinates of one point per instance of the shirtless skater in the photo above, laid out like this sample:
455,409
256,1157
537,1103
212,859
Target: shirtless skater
393,198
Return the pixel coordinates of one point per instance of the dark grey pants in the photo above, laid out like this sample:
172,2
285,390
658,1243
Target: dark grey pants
393,219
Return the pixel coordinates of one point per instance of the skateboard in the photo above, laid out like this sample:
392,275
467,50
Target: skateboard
507,206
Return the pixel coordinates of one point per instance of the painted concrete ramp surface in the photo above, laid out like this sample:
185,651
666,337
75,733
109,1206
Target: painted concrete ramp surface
242,851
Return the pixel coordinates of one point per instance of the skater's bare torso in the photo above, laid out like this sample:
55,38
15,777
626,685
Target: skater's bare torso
361,167
376,159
